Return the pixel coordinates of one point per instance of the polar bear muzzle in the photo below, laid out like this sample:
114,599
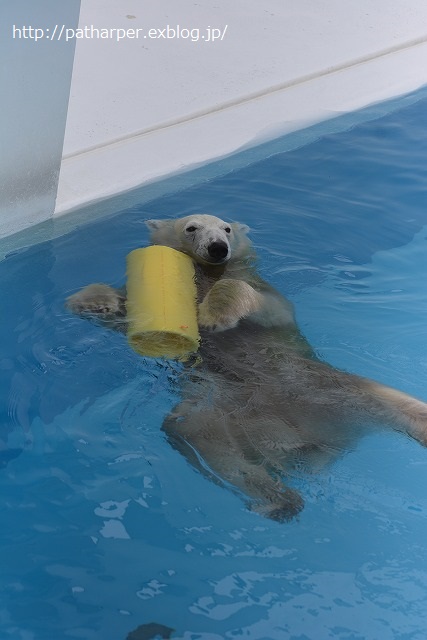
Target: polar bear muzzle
218,251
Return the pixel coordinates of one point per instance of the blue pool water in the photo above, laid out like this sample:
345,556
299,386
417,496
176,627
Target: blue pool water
105,527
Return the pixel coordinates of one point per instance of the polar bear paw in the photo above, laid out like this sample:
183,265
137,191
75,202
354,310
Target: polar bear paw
228,302
96,300
282,509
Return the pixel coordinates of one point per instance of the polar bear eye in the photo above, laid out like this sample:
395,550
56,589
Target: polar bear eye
227,229
191,228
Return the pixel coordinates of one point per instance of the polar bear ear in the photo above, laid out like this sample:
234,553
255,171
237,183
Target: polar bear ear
240,228
155,224
162,232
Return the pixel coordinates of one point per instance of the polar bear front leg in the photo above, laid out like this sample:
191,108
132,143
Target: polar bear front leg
228,302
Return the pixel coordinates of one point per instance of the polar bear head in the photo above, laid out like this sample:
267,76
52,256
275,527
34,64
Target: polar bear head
207,239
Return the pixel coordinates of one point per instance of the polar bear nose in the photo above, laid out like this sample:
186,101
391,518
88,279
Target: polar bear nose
218,250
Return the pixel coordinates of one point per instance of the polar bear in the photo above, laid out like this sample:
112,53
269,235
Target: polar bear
257,402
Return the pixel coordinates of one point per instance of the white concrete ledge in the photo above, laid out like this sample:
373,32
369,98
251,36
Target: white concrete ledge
108,169
141,110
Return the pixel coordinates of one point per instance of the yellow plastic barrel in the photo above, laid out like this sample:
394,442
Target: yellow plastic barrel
161,303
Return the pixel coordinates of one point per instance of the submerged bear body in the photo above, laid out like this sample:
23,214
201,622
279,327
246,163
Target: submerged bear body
257,402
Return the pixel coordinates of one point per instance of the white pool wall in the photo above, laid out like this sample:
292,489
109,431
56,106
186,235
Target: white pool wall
143,109
35,77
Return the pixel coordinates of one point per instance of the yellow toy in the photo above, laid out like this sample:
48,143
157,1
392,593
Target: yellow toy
162,303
